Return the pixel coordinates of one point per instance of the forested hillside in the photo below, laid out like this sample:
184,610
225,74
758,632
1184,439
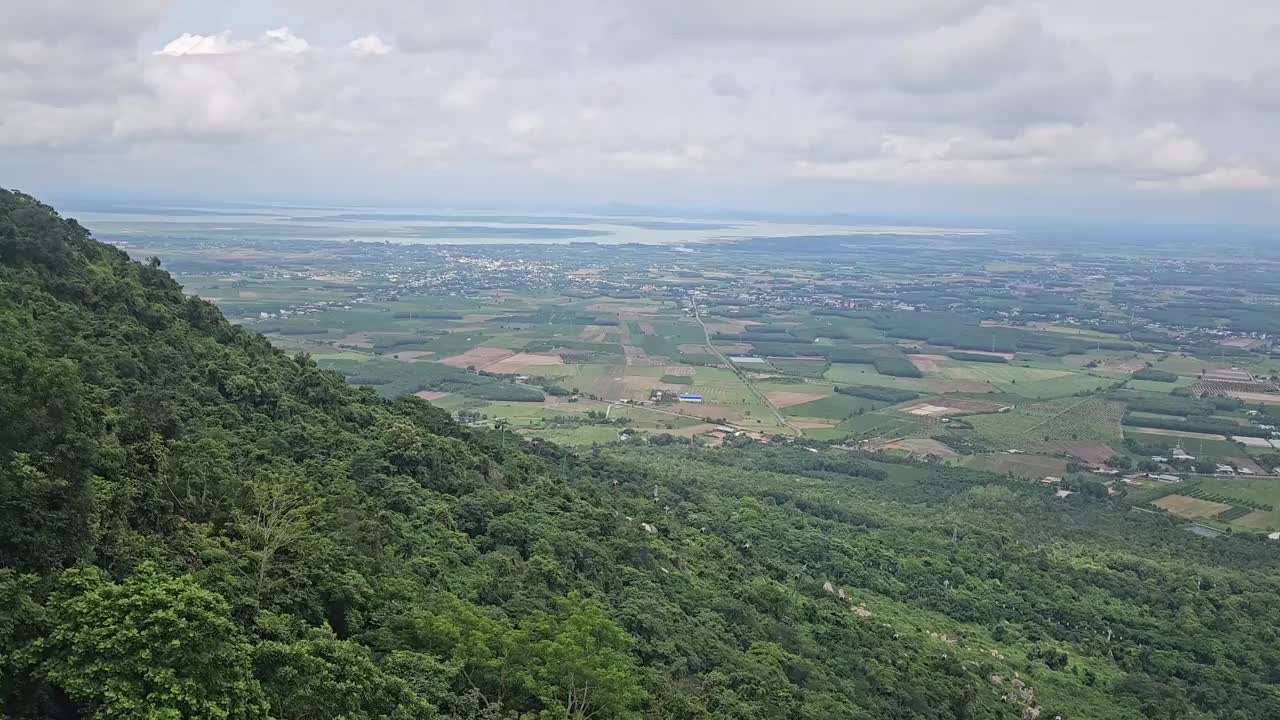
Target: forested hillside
196,525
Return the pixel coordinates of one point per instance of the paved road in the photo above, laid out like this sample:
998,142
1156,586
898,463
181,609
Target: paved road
706,334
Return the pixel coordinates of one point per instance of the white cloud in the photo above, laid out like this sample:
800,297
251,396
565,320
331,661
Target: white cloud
217,44
1093,97
279,40
369,45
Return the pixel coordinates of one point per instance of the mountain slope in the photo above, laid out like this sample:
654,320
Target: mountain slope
194,524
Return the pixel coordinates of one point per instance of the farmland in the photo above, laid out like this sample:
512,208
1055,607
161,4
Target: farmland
979,356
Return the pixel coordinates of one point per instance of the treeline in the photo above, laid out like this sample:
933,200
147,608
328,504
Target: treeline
965,332
1215,426
1155,375
883,394
1175,404
886,360
977,357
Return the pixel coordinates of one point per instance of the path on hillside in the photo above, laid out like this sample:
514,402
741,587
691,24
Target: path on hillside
706,334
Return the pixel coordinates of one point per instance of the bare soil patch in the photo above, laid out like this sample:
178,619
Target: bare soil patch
1092,453
728,326
1129,366
949,407
1189,507
787,398
1258,520
356,340
690,431
926,363
1027,466
1174,433
920,447
592,333
639,358
431,394
478,357
523,361
411,355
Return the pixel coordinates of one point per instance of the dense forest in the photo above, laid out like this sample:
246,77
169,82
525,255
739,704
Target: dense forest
194,524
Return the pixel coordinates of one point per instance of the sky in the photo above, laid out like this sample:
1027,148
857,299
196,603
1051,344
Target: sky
1159,110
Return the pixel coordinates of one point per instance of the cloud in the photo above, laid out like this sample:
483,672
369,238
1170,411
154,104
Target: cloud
278,40
1087,97
367,45
188,44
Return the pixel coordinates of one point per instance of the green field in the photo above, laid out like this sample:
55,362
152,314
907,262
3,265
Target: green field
834,407
1199,447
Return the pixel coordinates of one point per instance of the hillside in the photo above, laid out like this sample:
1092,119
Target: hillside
194,524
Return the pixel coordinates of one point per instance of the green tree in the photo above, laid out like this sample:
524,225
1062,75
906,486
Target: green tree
319,677
583,663
151,648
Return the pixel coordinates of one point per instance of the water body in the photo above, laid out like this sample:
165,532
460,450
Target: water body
440,227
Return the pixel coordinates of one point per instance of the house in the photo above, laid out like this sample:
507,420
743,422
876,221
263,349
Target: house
1225,470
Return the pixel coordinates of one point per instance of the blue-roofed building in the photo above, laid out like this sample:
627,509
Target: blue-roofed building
690,397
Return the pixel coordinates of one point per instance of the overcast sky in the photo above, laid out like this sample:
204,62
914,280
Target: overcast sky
1164,109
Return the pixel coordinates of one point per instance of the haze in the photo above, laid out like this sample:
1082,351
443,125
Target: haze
1149,110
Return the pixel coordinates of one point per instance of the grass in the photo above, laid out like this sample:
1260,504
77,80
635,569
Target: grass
858,374
834,407
880,424
1199,447
1033,425
1265,491
1028,466
804,368
1157,387
584,435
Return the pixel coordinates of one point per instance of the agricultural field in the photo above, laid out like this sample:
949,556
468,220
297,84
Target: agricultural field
577,343
1031,467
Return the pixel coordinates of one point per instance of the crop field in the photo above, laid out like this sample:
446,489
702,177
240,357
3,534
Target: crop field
1157,387
858,374
881,425
1190,507
1070,425
518,339
1033,467
836,407
1261,491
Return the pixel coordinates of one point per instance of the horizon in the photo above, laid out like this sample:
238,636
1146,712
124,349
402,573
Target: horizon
1016,111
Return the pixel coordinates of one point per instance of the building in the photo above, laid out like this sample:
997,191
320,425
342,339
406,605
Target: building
690,397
